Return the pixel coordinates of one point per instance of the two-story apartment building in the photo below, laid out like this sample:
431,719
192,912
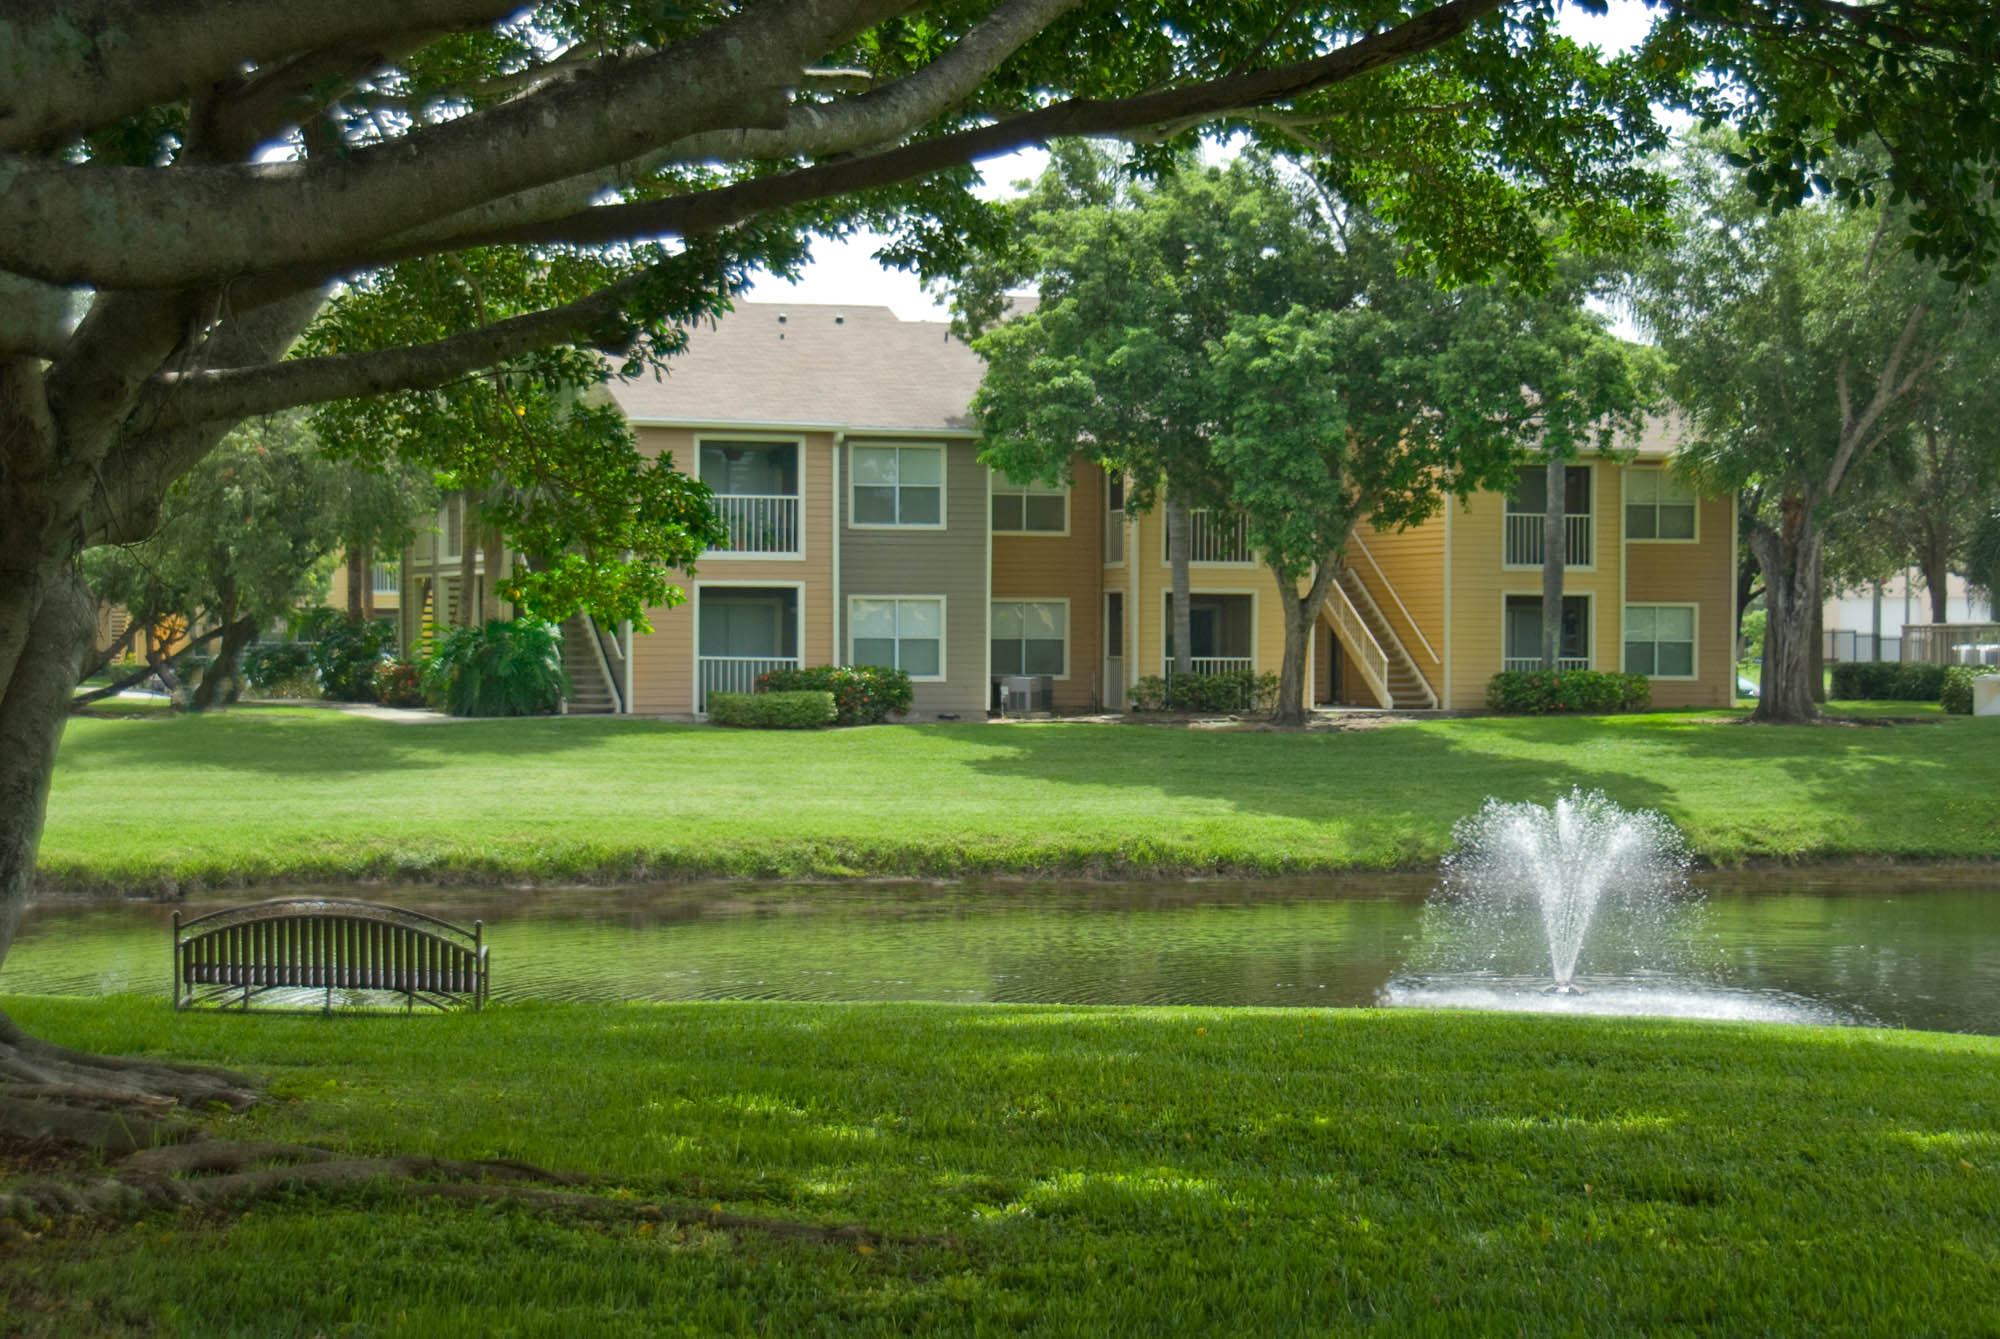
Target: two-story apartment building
864,530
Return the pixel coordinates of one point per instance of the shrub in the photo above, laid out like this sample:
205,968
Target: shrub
501,669
1887,681
347,652
862,694
400,683
1231,691
280,669
803,710
1541,691
1955,690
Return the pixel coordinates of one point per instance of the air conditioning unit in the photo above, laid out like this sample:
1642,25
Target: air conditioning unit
1023,694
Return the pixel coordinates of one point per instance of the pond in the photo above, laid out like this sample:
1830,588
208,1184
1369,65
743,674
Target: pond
1903,950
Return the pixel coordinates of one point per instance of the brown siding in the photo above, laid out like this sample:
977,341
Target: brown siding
1065,567
663,662
950,562
1702,573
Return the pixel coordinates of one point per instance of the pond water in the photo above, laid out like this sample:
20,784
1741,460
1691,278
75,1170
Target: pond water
1904,951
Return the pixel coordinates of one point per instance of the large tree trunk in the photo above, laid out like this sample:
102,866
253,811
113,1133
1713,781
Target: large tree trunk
1790,558
1936,562
494,557
1301,615
222,672
1555,554
357,579
1178,525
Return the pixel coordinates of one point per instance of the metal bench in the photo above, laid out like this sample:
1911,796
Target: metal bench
227,958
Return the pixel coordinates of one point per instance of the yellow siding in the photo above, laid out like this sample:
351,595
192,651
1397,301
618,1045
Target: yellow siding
663,662
1406,577
1065,567
1480,583
1702,573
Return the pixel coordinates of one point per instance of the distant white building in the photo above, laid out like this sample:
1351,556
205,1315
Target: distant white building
1855,619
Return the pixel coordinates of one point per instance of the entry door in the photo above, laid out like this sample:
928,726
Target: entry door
1114,650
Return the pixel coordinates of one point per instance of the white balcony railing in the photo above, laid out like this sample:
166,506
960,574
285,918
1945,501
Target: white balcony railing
386,578
734,674
759,522
1535,663
1208,664
1524,540
1114,538
1213,538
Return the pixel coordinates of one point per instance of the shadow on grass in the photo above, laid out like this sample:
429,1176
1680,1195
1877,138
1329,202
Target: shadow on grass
310,743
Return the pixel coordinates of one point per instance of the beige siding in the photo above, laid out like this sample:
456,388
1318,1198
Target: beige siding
1702,573
663,663
1065,567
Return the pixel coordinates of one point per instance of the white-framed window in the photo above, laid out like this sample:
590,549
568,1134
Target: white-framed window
897,486
1658,506
904,632
1659,640
451,529
1031,637
1029,509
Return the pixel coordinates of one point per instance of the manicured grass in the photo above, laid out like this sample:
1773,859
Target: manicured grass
279,794
1089,1171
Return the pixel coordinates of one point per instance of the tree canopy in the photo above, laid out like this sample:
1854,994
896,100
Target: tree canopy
1808,348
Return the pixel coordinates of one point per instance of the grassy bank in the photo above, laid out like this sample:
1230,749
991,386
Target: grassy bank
298,794
1086,1172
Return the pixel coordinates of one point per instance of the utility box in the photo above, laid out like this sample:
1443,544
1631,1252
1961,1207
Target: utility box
1024,694
1986,695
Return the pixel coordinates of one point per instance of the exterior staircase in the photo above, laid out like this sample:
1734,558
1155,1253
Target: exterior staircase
1407,689
590,690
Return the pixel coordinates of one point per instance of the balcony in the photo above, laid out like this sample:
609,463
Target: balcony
759,523
1524,540
1213,537
1535,663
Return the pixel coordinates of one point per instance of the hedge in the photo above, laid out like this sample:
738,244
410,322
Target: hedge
1542,691
1887,681
1233,690
772,711
862,694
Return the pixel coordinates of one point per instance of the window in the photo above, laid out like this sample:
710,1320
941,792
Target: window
1035,509
904,634
451,528
899,485
1657,506
1659,640
1523,650
751,469
1030,637
1531,495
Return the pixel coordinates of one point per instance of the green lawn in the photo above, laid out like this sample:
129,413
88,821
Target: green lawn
271,794
1081,1172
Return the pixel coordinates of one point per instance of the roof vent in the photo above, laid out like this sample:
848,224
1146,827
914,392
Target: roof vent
781,318
839,319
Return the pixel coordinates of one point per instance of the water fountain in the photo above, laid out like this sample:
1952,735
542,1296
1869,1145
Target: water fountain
1579,906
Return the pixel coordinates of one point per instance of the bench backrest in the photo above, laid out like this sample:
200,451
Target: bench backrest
327,942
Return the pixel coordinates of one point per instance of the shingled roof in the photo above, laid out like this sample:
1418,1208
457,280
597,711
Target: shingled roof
779,364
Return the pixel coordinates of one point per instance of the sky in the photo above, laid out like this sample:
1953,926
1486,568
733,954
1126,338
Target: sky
846,272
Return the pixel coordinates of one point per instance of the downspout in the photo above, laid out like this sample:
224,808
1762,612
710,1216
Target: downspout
834,656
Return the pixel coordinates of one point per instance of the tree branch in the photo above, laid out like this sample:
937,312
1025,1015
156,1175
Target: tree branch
714,209
68,68
35,318
147,228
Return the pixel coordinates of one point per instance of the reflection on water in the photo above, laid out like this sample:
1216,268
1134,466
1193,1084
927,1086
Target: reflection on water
1914,956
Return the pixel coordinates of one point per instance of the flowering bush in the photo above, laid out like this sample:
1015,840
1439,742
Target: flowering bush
400,684
862,694
1541,691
